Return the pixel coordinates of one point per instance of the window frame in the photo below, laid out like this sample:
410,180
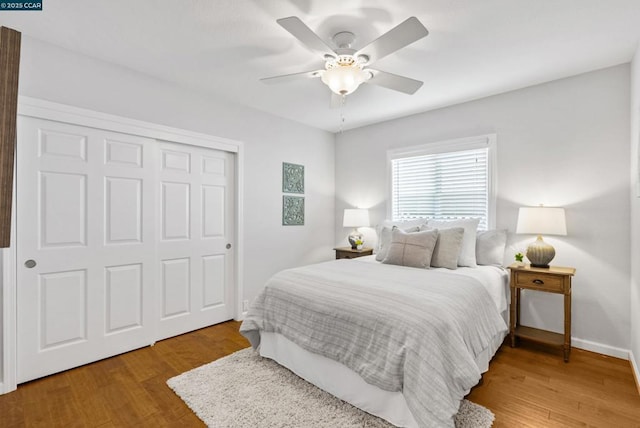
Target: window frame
448,146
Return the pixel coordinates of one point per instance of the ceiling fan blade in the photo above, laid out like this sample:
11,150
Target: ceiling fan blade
402,35
337,101
393,81
300,31
290,77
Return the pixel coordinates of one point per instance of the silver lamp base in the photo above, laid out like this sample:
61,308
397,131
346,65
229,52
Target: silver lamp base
353,237
540,253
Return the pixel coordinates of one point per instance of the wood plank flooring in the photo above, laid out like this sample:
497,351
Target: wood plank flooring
528,386
531,386
128,390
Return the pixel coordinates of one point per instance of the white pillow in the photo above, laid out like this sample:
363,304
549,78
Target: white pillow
401,224
490,246
468,252
448,247
411,249
384,240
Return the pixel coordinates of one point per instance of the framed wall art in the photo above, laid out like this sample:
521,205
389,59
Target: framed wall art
292,178
292,210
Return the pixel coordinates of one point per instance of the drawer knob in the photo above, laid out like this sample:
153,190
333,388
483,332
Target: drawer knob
538,281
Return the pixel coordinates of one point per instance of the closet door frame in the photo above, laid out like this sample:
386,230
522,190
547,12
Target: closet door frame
32,107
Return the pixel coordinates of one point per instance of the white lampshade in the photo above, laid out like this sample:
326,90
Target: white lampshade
541,221
354,217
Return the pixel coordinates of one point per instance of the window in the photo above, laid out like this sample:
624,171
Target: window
446,180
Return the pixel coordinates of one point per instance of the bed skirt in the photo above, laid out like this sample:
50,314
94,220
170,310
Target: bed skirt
345,383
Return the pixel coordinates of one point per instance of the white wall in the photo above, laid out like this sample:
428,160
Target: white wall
564,143
635,215
58,75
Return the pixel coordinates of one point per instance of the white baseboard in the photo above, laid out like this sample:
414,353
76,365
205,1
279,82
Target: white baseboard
600,348
635,369
6,388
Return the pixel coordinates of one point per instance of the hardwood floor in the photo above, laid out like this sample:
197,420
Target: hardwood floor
531,386
528,386
128,390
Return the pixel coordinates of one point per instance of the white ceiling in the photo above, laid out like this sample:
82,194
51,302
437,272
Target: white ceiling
475,48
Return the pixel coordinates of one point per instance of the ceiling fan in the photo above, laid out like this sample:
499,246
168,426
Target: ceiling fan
346,68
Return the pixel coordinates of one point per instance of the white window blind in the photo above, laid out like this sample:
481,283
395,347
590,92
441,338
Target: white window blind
443,185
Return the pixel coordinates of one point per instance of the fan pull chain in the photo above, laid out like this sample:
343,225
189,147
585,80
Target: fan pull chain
342,100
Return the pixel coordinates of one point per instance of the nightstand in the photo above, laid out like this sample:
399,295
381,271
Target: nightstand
554,279
349,253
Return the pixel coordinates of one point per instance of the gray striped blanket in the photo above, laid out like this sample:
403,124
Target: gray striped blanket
401,329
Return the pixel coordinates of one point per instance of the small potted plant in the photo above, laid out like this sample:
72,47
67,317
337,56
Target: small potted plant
359,244
519,259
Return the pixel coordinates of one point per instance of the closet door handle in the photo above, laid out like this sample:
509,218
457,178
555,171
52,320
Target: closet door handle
29,264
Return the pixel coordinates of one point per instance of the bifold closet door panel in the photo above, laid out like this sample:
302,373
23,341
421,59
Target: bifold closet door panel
195,238
86,266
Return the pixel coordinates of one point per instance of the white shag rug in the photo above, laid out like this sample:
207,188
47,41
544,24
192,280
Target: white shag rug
246,390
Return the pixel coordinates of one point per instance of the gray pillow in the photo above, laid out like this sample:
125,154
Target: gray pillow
411,249
384,239
448,247
490,247
411,225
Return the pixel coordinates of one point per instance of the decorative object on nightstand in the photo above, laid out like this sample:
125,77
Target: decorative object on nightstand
355,217
538,221
554,279
350,253
519,257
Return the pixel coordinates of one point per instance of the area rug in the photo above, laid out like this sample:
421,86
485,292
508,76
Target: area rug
245,390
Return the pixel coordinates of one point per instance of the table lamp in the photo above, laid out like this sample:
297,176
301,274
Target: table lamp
541,221
354,217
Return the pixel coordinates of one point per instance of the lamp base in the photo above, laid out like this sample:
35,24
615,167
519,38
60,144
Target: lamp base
355,236
540,253
540,266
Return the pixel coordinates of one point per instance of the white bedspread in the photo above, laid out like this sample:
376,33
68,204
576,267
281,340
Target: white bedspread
493,278
401,329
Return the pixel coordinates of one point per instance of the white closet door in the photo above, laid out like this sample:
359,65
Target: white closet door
86,245
195,238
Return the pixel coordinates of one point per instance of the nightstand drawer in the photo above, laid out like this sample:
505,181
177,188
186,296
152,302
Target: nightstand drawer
539,281
349,253
344,255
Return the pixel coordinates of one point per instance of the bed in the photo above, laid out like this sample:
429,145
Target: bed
401,343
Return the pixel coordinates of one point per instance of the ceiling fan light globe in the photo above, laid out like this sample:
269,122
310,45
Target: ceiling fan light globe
343,80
